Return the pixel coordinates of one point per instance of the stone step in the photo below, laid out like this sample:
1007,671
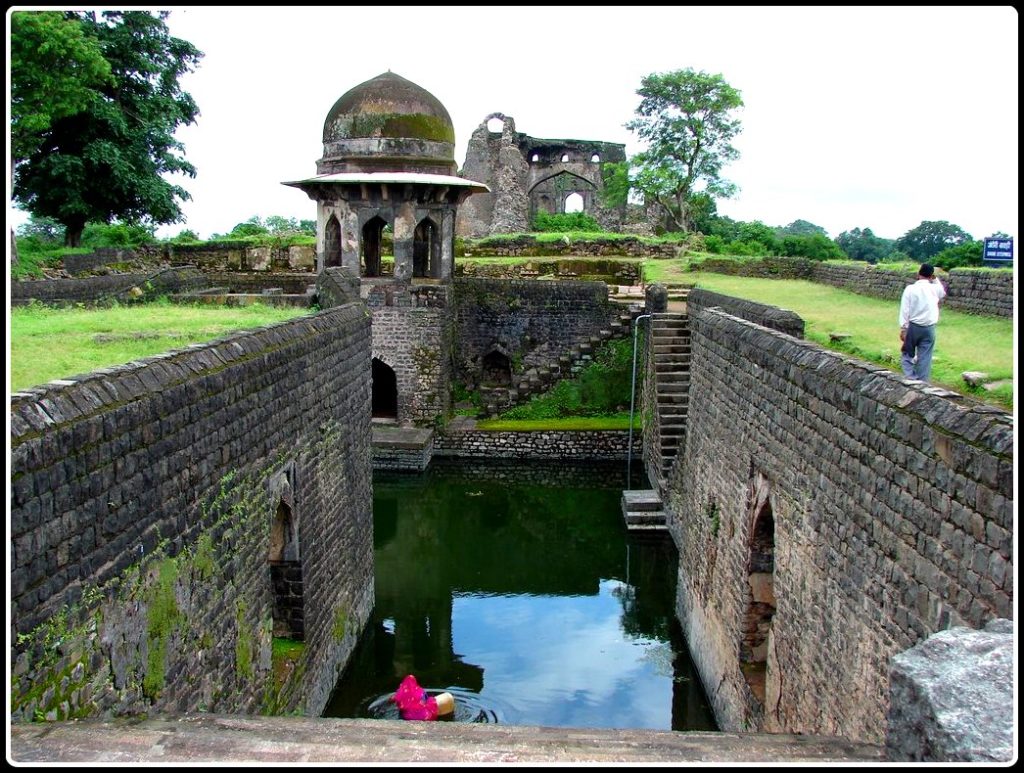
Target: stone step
641,500
645,518
671,429
672,398
671,348
668,377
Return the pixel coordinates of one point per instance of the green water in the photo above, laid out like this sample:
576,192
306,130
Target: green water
526,599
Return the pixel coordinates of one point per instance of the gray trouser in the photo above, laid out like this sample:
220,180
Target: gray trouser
919,344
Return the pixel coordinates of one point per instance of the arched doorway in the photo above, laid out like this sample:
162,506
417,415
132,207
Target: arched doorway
286,575
332,242
496,370
573,203
385,391
426,250
373,233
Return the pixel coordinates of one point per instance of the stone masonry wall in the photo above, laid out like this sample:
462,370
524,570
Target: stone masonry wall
142,498
530,322
783,320
113,286
547,444
893,516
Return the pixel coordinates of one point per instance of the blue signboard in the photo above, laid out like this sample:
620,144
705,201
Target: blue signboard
998,251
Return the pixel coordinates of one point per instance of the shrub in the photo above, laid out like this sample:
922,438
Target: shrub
117,235
569,221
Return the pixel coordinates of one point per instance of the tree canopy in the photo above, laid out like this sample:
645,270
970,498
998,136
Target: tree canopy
862,244
686,118
930,238
104,154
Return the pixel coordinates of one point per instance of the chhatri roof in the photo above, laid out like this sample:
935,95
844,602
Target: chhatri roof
353,178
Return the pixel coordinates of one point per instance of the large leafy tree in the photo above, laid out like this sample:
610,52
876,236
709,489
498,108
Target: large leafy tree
686,119
109,159
930,238
862,244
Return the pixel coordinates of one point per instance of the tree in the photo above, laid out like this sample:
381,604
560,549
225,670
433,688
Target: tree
57,69
108,161
930,238
864,245
684,116
801,228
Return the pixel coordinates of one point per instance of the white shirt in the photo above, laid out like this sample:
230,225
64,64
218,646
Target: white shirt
920,303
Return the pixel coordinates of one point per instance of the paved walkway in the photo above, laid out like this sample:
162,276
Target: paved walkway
204,738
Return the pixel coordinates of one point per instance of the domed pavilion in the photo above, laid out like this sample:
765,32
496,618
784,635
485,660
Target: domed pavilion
388,160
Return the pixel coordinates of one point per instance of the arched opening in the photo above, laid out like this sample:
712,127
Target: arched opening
426,250
535,158
595,159
496,370
565,158
757,621
332,242
495,125
573,203
286,575
371,246
385,391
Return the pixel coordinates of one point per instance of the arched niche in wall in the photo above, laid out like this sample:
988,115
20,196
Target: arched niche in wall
759,612
550,193
332,242
595,159
384,397
284,558
496,368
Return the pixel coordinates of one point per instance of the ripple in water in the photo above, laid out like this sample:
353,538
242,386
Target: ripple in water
468,707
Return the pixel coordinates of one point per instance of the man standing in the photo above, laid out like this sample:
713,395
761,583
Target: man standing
919,313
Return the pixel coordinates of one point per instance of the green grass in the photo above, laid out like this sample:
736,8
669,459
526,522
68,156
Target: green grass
964,342
49,343
619,421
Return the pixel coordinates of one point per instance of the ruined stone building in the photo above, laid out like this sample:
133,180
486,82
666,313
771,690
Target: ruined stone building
527,175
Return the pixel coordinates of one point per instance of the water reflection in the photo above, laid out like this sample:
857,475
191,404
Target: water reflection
528,601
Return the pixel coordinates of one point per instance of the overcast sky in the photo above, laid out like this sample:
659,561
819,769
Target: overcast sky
871,117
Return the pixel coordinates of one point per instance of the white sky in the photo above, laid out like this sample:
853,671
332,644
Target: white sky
870,117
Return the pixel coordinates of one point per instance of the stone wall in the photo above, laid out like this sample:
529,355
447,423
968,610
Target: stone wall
537,444
529,322
972,290
617,272
783,320
97,289
527,245
223,255
143,502
829,514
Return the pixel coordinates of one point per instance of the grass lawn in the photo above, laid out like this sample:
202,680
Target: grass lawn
964,342
49,343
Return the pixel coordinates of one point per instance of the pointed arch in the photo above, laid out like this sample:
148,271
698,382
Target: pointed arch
332,242
426,249
756,626
384,391
372,238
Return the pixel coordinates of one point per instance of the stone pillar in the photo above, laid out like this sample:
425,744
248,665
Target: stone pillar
656,299
404,229
951,697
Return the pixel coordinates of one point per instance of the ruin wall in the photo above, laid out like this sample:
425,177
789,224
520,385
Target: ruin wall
893,519
142,504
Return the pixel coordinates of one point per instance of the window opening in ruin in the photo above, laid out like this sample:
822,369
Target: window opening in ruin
426,250
757,621
385,391
565,158
332,242
535,158
496,370
595,159
286,575
495,126
573,203
373,233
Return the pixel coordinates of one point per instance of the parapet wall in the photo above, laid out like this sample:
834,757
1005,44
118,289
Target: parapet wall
147,500
112,286
773,317
883,511
972,290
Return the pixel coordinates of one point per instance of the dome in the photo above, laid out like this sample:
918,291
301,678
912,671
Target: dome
388,106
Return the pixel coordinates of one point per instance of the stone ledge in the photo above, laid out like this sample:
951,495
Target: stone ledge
225,738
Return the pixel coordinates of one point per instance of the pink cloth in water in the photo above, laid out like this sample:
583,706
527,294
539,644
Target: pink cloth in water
413,701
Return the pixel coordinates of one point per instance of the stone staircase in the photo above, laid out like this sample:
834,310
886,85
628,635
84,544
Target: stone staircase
541,378
670,348
642,510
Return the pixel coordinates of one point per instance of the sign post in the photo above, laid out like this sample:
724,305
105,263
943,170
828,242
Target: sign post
998,252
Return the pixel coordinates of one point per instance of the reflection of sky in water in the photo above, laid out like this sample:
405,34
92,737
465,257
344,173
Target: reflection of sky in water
558,661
